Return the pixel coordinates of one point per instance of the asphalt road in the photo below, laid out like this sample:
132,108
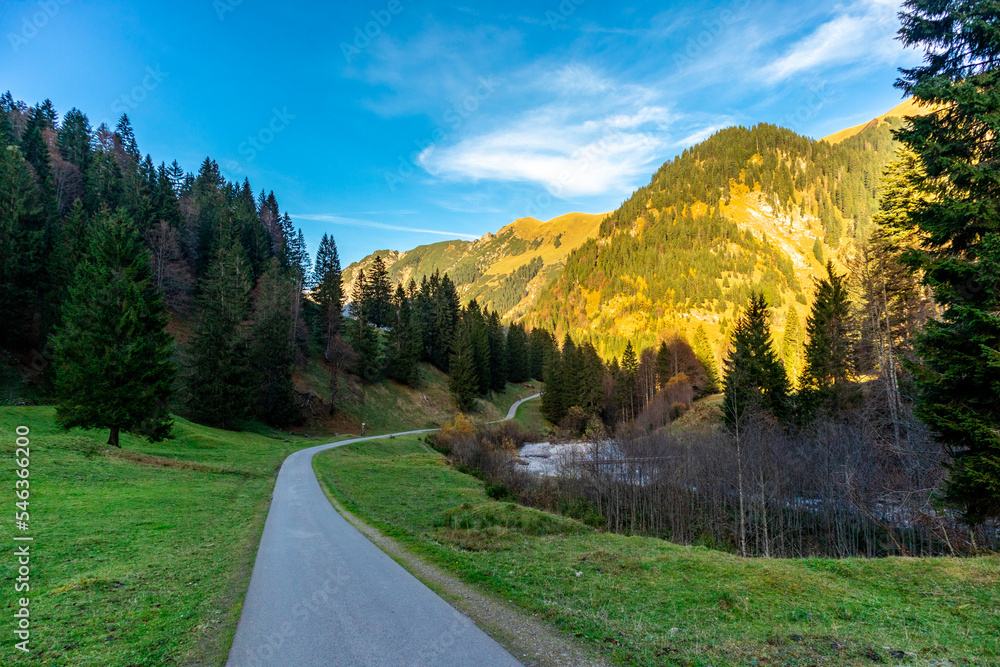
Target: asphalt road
322,594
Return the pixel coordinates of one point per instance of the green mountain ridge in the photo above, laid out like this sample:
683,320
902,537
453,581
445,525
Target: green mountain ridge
505,270
748,208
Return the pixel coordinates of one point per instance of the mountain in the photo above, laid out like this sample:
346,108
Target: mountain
749,208
907,108
505,270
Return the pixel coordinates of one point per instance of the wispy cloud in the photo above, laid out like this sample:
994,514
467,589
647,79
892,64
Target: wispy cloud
355,222
593,136
862,32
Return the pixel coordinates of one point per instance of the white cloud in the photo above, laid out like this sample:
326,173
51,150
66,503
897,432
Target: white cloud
596,137
863,32
354,222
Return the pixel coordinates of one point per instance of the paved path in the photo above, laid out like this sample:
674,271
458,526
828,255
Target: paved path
322,594
513,409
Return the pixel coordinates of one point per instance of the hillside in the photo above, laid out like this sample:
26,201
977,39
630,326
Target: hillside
504,271
907,108
749,208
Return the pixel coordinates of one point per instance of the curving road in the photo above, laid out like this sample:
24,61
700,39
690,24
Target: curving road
322,594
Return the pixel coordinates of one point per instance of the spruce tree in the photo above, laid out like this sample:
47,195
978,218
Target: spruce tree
464,381
447,316
380,311
404,342
75,139
792,347
498,352
826,379
703,350
329,291
542,346
554,405
754,377
630,386
479,338
21,241
113,369
367,344
221,382
959,223
518,361
664,365
272,350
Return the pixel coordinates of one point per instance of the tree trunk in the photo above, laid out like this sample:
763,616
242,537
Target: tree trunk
113,440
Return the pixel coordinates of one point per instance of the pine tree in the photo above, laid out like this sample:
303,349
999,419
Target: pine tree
479,337
75,139
113,368
590,394
703,350
447,317
630,368
958,377
754,378
221,382
366,342
498,352
329,291
464,382
518,361
380,293
554,406
792,347
542,346
404,342
272,351
828,354
21,240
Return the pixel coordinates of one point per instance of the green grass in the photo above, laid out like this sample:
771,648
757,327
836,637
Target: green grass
624,595
389,407
140,557
530,417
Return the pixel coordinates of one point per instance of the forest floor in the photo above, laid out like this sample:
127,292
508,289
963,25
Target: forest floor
645,601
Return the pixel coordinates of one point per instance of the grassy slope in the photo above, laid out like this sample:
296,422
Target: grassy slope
390,407
626,594
530,416
134,562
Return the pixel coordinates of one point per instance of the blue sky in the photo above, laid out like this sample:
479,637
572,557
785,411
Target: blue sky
447,120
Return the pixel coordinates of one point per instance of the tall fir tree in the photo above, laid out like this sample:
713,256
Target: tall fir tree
364,338
272,351
405,342
706,355
463,378
498,352
754,377
113,354
518,359
221,382
380,311
22,238
828,351
554,405
959,224
329,290
793,347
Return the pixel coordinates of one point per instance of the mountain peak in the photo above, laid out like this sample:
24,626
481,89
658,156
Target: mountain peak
908,107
